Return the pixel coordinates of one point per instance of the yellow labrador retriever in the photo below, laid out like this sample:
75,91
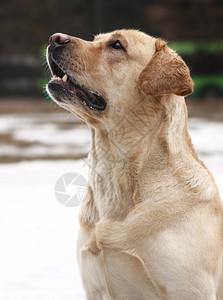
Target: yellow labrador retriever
151,226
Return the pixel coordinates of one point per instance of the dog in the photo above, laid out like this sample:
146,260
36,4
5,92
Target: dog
151,226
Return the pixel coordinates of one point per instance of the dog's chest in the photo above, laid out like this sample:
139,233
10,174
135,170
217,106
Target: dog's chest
112,273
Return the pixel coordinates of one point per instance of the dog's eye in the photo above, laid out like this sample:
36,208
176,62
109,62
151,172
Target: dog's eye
117,45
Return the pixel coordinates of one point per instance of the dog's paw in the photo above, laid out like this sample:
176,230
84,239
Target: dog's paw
99,233
113,235
93,245
93,248
106,234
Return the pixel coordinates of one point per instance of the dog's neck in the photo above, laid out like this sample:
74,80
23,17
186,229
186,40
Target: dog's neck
126,162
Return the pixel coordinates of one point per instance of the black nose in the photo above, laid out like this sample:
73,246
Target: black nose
59,39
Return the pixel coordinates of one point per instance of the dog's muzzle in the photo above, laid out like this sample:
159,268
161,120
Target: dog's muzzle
64,87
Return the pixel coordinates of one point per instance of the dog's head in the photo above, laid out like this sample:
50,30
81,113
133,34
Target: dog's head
101,80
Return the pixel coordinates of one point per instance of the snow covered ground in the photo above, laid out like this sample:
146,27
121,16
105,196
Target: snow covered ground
41,135
37,233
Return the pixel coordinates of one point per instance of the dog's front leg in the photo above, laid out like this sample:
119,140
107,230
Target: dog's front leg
140,224
128,234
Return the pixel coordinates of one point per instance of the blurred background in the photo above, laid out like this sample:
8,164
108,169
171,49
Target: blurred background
192,27
39,142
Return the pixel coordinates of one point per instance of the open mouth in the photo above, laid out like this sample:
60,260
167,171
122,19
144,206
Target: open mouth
62,86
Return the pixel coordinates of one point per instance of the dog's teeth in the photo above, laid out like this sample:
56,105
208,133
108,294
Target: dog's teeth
58,78
64,78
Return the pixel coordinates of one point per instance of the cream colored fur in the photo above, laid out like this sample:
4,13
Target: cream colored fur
151,226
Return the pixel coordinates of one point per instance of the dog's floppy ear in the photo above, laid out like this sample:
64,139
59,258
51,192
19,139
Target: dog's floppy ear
166,73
